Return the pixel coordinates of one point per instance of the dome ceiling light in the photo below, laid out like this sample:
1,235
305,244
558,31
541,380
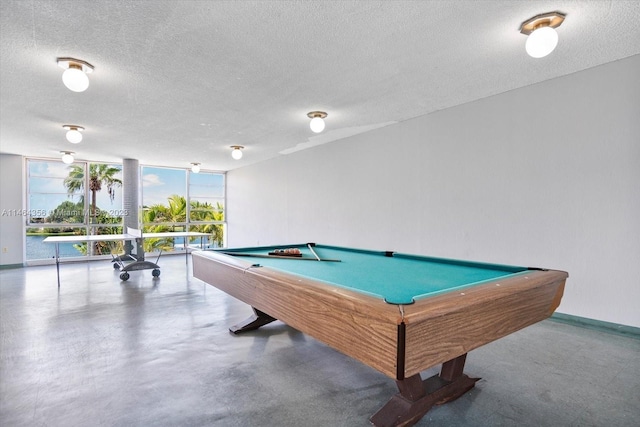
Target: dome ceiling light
74,133
75,73
237,151
543,37
317,120
67,157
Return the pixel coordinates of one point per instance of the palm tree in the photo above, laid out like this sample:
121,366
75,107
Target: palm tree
206,212
99,175
166,217
157,215
161,218
177,209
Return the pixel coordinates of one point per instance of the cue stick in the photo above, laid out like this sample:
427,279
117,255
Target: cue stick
280,256
313,252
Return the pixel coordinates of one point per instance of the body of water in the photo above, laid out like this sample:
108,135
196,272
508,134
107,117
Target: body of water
37,249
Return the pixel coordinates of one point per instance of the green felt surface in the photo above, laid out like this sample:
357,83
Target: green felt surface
400,279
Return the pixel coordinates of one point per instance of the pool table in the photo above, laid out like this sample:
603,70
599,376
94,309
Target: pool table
397,313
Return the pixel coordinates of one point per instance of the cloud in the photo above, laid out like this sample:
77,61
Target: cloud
57,169
151,180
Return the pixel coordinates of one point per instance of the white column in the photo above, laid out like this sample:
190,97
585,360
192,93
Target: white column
130,203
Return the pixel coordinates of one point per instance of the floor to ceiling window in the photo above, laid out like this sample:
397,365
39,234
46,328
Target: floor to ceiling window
206,205
80,198
180,200
85,198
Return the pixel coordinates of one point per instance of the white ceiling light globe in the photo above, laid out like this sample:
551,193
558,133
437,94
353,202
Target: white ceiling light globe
75,79
236,153
317,124
67,158
541,42
74,136
195,168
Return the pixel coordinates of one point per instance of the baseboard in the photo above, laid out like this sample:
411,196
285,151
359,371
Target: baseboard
8,266
629,331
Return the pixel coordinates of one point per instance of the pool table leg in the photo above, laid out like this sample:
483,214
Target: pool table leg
256,320
417,396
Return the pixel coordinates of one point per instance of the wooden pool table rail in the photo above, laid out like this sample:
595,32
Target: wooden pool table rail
446,326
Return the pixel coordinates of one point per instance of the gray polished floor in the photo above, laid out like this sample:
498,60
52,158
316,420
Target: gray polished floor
156,352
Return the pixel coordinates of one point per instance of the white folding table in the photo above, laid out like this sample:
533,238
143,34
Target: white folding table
138,263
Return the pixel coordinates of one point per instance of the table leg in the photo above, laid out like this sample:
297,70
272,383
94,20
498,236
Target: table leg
58,262
417,396
256,320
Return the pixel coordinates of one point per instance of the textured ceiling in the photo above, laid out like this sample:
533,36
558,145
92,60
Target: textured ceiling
177,82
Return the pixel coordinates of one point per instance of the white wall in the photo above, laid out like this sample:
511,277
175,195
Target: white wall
11,225
547,175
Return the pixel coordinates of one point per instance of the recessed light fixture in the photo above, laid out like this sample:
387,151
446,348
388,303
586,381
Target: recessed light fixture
74,134
195,167
67,157
75,73
543,37
317,120
237,151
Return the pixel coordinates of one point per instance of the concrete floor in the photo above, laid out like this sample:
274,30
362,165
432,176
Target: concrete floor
156,352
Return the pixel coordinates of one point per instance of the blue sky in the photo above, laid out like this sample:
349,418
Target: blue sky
160,183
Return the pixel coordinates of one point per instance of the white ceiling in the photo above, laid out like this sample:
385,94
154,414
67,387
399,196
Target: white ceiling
177,82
